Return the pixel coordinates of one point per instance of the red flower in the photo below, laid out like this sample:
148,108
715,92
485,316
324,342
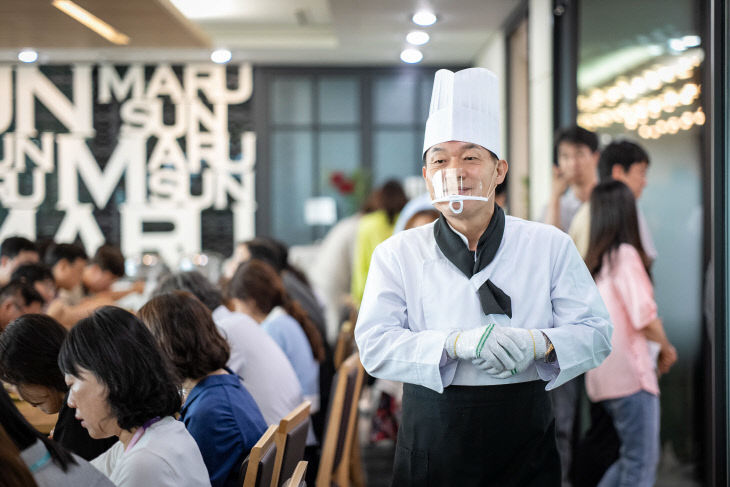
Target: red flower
346,187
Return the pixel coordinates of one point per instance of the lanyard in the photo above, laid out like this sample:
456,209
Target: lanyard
138,434
41,462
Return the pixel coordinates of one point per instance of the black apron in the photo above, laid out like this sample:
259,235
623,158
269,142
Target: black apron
500,436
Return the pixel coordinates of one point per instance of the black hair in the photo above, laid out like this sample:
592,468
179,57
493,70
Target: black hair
121,352
29,349
193,282
25,290
613,222
32,273
12,246
64,251
393,199
624,153
574,135
276,254
109,258
24,435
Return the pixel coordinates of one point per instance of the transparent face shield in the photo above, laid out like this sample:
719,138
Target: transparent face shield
456,185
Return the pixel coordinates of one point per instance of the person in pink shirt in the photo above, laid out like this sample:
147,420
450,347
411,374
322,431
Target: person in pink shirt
625,384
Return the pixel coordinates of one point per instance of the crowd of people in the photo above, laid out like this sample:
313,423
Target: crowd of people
178,391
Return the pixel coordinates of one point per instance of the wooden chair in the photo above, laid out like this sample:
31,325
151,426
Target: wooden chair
334,466
297,478
291,439
258,467
345,343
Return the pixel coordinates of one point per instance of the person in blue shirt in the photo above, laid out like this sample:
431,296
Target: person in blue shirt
258,291
220,414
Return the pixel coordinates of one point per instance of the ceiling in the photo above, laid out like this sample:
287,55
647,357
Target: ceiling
283,32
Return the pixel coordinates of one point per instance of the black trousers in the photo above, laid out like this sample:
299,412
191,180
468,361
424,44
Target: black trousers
477,436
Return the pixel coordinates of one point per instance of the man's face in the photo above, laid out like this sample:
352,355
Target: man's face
478,169
577,162
67,274
634,178
97,280
14,307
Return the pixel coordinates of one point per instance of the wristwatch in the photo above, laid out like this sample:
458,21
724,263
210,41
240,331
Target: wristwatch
550,355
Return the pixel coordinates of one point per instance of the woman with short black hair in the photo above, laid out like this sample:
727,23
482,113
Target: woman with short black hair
121,385
49,463
29,349
218,412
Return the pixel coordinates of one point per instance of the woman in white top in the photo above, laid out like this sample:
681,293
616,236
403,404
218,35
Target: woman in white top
120,385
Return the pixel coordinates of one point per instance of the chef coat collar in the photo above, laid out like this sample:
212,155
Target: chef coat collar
491,297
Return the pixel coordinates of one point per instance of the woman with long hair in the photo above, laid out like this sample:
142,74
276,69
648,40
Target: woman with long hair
121,385
218,411
257,290
625,384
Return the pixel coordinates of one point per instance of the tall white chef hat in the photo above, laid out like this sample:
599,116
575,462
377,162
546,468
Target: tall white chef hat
464,107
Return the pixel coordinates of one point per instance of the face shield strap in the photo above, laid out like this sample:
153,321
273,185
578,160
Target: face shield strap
456,201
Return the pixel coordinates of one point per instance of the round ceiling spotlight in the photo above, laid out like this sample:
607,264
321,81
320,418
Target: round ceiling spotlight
28,56
424,18
418,37
221,56
411,56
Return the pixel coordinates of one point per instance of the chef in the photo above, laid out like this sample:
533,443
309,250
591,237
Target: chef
477,313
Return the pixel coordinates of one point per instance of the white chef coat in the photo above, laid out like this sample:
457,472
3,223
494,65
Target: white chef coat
414,297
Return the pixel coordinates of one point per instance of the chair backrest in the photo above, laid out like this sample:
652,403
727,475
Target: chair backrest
291,439
259,465
345,343
334,466
297,478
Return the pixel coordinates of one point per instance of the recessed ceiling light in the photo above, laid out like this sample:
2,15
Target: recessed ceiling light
92,22
411,56
424,18
418,37
220,56
28,56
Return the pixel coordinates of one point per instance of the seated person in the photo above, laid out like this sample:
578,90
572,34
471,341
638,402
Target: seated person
29,349
50,464
17,299
257,290
67,262
103,271
38,276
14,252
255,357
218,411
121,385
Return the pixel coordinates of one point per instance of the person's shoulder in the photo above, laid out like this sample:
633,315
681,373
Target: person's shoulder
519,227
628,255
408,242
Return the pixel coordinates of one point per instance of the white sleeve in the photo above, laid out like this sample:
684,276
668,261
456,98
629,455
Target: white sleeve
389,349
581,332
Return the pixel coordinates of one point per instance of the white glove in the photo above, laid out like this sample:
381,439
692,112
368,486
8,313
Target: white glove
532,347
487,344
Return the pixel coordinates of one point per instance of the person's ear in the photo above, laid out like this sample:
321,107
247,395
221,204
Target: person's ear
617,172
502,168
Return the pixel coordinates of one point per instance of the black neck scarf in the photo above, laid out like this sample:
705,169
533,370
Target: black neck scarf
492,298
